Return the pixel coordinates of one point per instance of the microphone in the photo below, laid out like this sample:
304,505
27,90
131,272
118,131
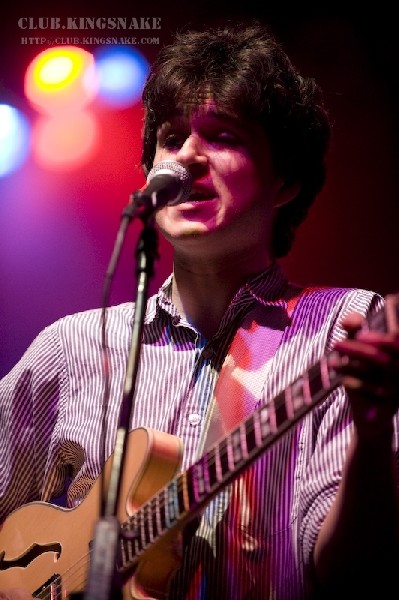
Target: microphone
168,183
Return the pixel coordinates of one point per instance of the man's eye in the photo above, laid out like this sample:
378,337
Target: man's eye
172,141
226,137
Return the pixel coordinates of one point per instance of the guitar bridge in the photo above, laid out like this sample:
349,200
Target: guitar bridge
51,589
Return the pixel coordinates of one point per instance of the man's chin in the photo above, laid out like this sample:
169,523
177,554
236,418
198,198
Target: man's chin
189,231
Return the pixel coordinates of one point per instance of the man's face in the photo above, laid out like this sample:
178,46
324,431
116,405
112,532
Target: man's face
234,187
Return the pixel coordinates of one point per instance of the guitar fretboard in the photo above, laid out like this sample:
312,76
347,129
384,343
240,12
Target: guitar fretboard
187,494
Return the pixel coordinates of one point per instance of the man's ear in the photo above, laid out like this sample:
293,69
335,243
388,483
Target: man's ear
286,193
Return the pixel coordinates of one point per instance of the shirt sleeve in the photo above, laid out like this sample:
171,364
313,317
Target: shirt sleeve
324,469
29,405
332,428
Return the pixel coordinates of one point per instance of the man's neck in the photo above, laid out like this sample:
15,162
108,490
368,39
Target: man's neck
203,292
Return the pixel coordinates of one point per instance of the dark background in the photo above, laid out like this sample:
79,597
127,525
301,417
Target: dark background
58,229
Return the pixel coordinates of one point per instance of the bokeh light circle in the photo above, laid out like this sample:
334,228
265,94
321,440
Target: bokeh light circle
65,142
121,74
14,139
61,79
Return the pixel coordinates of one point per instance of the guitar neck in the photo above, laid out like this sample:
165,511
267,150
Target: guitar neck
187,494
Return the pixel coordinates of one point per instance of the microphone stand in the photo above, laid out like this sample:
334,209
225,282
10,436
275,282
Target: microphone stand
104,582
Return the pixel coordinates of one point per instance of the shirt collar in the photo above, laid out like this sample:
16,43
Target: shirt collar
266,287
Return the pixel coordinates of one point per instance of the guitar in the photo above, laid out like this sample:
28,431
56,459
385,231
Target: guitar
46,549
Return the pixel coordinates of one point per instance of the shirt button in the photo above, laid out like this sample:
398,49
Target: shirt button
194,419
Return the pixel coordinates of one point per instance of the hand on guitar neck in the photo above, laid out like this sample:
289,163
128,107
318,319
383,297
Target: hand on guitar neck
369,366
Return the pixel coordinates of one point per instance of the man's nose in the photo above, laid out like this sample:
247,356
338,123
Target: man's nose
192,153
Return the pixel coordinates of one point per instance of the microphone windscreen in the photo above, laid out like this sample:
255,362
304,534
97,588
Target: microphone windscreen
171,167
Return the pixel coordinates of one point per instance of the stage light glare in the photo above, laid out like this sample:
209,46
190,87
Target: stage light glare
65,142
61,79
14,139
57,71
121,76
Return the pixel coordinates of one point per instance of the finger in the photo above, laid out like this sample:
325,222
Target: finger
368,351
352,323
385,343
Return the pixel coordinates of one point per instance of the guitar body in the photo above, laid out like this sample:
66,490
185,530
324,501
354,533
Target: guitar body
45,549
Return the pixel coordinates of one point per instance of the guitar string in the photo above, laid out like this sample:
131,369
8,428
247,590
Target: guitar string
312,375
82,562
72,576
139,519
217,454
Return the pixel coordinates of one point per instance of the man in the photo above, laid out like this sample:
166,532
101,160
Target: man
317,513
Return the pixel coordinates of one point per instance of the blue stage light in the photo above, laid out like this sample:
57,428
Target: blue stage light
121,75
14,139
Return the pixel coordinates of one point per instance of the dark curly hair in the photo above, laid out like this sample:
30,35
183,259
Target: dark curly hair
248,74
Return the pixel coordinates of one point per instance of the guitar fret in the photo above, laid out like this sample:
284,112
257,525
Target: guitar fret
289,403
131,550
307,398
153,517
147,524
257,427
141,528
172,505
162,508
182,496
326,374
160,513
267,422
250,434
298,393
130,542
123,555
199,483
315,379
280,409
213,468
133,535
238,445
224,458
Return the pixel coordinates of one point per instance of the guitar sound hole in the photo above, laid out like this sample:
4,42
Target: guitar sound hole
29,556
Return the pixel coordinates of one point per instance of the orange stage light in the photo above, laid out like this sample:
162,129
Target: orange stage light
65,142
61,79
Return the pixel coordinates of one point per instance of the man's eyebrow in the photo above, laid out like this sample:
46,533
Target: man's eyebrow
181,118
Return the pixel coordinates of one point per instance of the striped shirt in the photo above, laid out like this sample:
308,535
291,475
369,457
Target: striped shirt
256,537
